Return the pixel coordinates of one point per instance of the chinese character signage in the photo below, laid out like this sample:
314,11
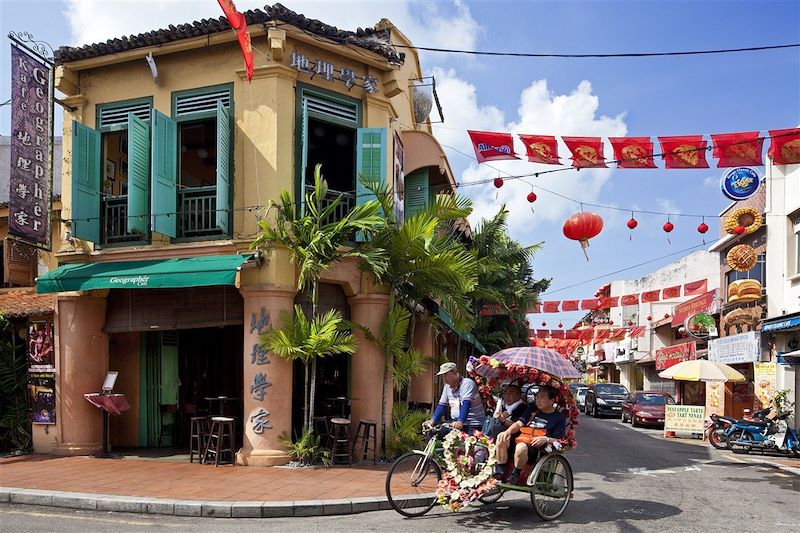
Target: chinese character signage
741,348
684,419
672,355
330,72
30,183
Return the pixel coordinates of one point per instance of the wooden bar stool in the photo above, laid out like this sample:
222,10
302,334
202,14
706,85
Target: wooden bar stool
221,431
340,439
321,426
367,429
198,437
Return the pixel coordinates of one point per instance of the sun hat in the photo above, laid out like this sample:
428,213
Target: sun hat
445,368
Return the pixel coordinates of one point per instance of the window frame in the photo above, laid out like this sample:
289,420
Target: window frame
98,108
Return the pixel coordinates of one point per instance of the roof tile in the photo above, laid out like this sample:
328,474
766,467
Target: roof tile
25,302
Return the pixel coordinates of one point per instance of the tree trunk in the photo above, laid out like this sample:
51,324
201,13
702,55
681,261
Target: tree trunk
386,375
313,397
306,425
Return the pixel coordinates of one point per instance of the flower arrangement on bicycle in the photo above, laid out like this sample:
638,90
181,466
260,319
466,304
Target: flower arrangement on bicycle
469,462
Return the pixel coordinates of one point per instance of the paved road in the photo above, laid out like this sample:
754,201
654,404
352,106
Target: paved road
625,480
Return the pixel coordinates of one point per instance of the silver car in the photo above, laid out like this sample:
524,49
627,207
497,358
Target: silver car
580,398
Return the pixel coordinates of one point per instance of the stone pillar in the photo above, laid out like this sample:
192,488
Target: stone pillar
421,388
267,388
81,366
366,384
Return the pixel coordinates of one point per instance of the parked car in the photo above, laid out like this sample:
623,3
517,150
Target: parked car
573,387
580,398
529,393
605,399
645,407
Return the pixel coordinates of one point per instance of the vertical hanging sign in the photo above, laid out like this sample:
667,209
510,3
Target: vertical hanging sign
31,179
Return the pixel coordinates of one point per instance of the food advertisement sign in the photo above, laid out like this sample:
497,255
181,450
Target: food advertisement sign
740,183
684,419
715,398
764,377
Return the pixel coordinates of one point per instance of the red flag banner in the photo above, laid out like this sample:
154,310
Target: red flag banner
542,333
536,308
672,355
590,304
541,149
238,23
491,146
630,299
738,149
557,333
586,334
586,151
687,151
633,152
636,332
617,334
785,146
609,301
551,306
572,334
601,334
671,292
651,296
695,287
570,305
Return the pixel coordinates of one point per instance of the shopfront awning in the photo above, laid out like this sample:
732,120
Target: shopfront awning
154,274
781,323
445,317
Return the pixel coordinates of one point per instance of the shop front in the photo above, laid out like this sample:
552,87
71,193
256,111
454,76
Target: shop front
783,339
742,352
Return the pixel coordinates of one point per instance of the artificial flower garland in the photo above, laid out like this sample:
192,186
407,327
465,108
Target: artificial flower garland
490,387
460,487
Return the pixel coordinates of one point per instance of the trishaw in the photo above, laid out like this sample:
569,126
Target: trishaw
457,470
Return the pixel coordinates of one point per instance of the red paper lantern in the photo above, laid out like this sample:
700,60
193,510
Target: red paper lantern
649,318
738,230
669,226
630,322
581,227
632,223
666,315
703,227
544,324
531,197
610,322
560,325
498,182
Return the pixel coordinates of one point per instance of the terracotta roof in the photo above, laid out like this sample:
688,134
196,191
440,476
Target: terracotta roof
25,302
374,40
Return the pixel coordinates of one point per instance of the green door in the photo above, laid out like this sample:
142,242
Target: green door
159,386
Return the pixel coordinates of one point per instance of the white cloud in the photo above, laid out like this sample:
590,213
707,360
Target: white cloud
539,111
433,24
666,205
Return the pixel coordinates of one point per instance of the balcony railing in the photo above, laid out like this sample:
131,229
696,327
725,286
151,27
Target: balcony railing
348,201
115,221
197,212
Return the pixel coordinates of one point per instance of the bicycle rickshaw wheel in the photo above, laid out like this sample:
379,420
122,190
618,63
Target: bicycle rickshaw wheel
551,485
411,484
491,497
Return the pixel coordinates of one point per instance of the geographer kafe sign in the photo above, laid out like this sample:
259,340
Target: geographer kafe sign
29,180
684,419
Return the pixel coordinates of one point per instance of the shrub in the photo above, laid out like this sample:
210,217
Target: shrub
404,433
307,449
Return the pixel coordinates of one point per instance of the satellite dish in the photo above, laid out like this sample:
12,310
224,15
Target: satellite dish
422,98
152,64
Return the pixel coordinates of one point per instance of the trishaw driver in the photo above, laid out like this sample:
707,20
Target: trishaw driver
543,416
461,395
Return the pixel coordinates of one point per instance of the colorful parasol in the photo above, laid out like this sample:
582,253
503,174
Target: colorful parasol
542,359
701,370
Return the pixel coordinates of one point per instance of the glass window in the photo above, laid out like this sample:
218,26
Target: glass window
652,399
607,388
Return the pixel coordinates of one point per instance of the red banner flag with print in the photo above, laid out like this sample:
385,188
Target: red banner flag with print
590,305
651,296
572,334
695,287
541,149
738,149
490,146
617,334
629,299
551,344
551,306
638,331
586,334
536,308
586,151
687,151
570,305
601,334
557,333
238,23
669,293
785,146
609,301
542,333
633,152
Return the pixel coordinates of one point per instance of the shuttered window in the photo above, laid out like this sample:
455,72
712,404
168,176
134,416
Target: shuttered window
201,102
331,109
370,164
114,116
417,192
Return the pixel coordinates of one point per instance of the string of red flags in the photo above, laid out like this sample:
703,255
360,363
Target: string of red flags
239,26
677,152
590,304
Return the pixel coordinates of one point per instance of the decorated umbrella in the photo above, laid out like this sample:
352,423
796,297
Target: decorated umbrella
531,357
701,370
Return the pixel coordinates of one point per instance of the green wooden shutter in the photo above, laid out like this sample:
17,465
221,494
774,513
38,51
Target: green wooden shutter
138,175
303,156
370,163
86,178
223,167
417,192
164,174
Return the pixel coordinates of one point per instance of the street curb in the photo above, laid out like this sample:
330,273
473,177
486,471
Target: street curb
753,460
194,508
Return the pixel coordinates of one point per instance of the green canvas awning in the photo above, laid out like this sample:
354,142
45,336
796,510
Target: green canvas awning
155,274
467,337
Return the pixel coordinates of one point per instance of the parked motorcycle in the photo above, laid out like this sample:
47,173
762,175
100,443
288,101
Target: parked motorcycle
767,435
719,425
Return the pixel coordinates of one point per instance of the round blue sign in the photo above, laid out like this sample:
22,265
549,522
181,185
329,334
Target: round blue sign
740,183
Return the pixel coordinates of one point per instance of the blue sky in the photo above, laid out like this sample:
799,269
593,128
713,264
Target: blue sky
638,96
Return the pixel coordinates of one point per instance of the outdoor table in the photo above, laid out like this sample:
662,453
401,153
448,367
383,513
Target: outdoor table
343,401
109,403
224,407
